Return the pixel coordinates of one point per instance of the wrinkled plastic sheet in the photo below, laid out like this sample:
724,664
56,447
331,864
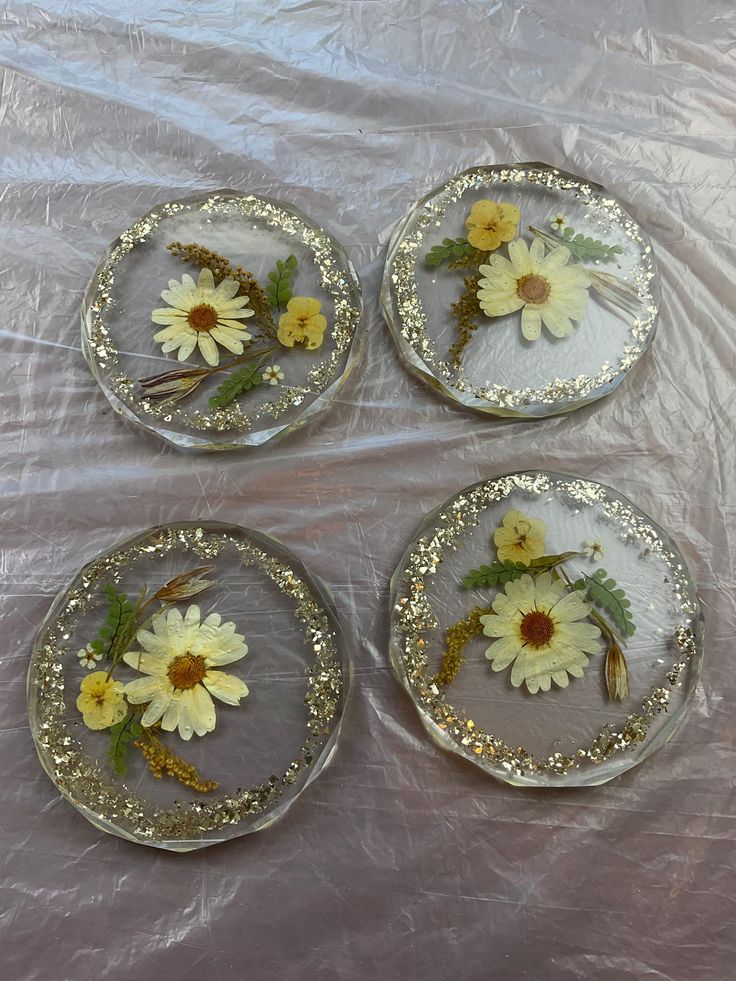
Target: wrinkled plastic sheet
399,861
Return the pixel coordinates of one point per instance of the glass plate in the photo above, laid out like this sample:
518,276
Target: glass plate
252,232
610,321
262,753
564,736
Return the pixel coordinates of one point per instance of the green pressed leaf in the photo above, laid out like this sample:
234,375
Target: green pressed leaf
496,574
606,593
119,624
451,248
121,735
236,384
589,249
278,287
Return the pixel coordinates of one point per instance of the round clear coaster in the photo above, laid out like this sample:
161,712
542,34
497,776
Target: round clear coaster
521,290
222,321
546,630
188,685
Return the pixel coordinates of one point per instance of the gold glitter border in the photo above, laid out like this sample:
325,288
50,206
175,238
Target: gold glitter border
408,321
79,776
413,617
337,278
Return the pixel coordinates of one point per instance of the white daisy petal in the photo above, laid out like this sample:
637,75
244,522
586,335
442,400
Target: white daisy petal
556,260
167,315
226,290
144,662
168,333
531,322
226,687
144,689
208,350
206,280
187,346
202,710
503,651
156,708
170,719
226,341
536,252
556,324
519,255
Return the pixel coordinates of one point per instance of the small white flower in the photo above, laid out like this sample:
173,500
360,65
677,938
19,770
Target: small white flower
88,657
273,375
594,549
558,222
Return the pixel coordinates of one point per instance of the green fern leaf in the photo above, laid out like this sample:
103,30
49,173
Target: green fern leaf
121,735
588,249
236,384
119,624
451,248
497,574
278,287
606,593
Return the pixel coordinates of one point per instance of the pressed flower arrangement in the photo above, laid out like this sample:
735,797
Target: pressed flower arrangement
547,623
212,313
548,279
539,666
179,655
222,321
187,713
520,290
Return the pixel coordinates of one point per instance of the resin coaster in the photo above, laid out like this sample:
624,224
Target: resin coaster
188,685
222,321
546,630
521,290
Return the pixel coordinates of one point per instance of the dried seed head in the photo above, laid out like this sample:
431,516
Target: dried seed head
185,585
617,673
172,385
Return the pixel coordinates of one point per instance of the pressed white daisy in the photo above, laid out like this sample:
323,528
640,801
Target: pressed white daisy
89,657
594,549
558,222
273,374
202,314
536,623
545,289
180,658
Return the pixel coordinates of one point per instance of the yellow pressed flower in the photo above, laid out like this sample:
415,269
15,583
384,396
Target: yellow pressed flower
520,539
101,701
490,224
302,323
545,288
537,625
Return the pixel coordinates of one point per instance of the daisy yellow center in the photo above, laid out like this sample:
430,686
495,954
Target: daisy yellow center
536,629
187,670
202,318
532,288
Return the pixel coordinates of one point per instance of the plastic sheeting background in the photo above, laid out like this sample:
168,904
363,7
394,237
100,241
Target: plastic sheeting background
400,861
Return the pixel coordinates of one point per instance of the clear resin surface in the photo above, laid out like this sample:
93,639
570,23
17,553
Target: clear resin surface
262,748
560,564
121,317
521,290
